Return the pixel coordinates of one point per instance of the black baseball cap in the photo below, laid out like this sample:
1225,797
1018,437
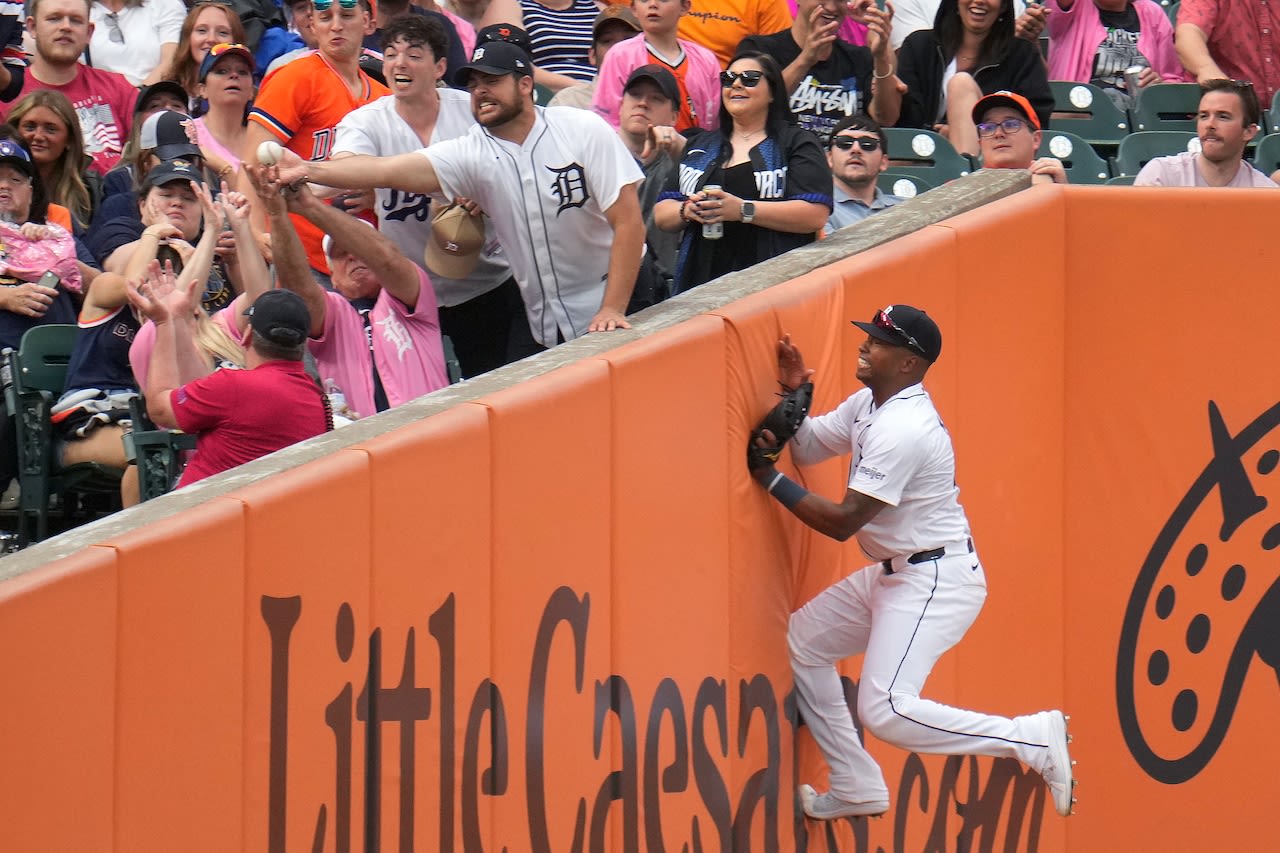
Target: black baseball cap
168,171
509,33
664,79
281,317
164,87
169,135
497,58
905,326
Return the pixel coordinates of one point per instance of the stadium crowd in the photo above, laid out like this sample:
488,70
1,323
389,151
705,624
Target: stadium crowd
168,170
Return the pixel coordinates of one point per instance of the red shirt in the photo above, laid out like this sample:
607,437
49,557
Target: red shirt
103,101
1243,40
240,415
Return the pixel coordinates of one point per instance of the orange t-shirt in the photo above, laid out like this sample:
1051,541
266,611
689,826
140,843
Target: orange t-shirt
58,215
301,104
719,25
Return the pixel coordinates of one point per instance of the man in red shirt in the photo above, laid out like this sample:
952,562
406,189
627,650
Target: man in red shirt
103,100
236,415
1234,39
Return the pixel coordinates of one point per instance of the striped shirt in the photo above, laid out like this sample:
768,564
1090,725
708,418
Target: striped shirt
561,39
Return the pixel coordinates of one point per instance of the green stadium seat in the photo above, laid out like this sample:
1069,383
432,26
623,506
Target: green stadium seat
925,154
1266,158
1271,118
1138,148
1167,106
1087,111
1081,162
34,377
1121,180
902,184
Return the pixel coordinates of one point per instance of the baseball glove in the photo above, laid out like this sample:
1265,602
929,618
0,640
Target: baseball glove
782,421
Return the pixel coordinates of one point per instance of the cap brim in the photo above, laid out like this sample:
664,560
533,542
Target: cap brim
886,335
451,266
461,74
992,101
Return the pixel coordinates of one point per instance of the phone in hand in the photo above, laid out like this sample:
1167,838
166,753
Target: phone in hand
50,279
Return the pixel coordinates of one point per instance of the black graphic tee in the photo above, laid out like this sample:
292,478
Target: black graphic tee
838,87
1119,48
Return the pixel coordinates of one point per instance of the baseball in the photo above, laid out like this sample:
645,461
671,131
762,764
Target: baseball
270,152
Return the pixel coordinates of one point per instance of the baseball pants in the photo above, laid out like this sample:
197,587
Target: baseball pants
902,622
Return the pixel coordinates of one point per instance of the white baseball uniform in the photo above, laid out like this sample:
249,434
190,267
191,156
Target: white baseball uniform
405,217
902,612
547,199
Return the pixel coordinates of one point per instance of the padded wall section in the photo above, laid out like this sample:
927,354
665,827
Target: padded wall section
1171,512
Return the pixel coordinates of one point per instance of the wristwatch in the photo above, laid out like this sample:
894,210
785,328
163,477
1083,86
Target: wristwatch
748,211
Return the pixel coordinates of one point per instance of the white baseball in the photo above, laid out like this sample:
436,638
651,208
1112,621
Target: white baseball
270,152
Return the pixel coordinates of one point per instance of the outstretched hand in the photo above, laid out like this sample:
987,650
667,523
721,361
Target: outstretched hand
157,296
791,364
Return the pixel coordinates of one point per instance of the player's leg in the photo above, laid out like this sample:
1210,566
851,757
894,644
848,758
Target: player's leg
831,627
920,613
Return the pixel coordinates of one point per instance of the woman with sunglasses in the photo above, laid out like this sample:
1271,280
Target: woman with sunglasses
759,180
136,38
209,22
972,51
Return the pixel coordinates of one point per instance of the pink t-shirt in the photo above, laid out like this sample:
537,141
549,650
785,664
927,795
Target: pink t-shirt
208,142
103,101
1183,170
406,347
241,415
145,340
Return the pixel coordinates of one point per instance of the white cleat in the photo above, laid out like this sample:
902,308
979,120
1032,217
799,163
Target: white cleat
1057,770
830,807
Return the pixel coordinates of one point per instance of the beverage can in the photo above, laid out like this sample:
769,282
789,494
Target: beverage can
1131,76
712,230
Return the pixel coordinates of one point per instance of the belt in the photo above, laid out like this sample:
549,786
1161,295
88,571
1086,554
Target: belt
955,549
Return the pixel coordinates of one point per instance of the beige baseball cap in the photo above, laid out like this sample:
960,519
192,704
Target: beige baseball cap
457,238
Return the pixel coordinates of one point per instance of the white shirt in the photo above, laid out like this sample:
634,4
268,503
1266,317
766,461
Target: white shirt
902,456
405,218
547,198
145,28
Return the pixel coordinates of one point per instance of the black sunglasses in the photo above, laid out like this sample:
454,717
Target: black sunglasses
866,143
750,79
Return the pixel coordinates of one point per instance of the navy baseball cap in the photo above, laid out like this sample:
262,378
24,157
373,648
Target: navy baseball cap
169,135
496,58
13,154
281,317
220,52
905,326
662,78
168,171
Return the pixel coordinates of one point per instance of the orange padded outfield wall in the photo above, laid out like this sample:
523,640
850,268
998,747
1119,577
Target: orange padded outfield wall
553,619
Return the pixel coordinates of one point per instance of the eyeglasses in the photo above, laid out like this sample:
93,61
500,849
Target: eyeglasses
116,34
750,79
326,5
883,321
1010,125
866,143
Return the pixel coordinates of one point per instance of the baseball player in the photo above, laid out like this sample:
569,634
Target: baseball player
558,184
916,600
300,105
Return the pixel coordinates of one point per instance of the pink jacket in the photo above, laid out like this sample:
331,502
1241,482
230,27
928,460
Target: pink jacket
702,80
1074,36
